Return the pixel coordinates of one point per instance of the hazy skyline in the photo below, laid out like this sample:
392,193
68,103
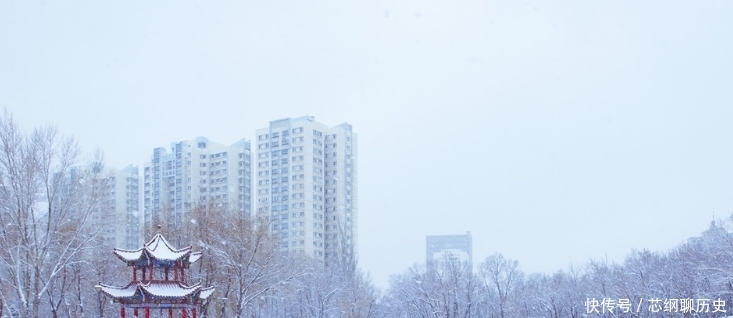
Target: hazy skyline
555,132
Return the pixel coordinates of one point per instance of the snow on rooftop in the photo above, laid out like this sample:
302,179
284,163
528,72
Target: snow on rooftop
158,289
172,289
194,257
206,292
157,248
127,255
160,248
118,292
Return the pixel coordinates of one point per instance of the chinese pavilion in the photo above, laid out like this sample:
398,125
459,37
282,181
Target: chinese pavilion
158,280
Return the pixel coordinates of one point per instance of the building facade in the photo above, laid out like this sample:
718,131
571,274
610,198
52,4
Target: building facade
196,173
127,206
307,187
116,216
440,248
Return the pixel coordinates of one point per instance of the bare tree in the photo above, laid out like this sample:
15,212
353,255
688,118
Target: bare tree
44,225
502,276
248,259
358,297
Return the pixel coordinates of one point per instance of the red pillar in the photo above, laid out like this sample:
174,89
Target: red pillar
170,312
135,312
147,312
151,271
134,274
175,273
193,312
122,312
184,313
166,273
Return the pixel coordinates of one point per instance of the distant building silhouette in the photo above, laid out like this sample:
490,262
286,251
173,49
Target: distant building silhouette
449,247
116,214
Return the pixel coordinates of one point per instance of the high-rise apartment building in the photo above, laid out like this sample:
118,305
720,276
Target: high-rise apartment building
116,192
126,193
195,172
307,187
440,248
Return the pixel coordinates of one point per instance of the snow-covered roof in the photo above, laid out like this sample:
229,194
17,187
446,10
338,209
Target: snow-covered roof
206,292
157,248
127,255
194,257
118,292
157,289
160,249
170,289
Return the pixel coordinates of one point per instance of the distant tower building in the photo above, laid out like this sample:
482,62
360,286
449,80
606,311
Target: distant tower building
449,247
117,215
307,186
127,207
195,172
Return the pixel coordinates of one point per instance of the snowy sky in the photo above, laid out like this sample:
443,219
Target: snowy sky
554,131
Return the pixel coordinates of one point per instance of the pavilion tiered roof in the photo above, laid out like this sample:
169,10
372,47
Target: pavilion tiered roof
157,289
158,248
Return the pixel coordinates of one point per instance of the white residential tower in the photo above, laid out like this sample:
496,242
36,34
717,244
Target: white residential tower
195,172
307,187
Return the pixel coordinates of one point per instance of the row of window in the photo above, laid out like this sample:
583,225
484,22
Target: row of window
297,140
284,188
284,133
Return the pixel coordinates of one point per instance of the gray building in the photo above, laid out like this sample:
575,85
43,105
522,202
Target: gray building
116,215
449,247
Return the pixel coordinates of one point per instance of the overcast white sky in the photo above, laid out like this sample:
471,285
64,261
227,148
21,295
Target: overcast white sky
554,131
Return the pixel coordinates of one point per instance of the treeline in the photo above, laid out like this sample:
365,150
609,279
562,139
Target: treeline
692,280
